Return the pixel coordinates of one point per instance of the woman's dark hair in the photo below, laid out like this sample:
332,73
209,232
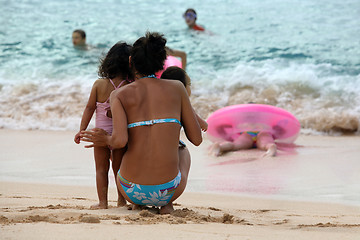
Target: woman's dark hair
116,61
81,32
175,73
148,53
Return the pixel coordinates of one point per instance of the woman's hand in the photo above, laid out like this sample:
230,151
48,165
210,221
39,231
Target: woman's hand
77,138
99,137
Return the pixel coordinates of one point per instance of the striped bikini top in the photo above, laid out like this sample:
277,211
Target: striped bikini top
154,121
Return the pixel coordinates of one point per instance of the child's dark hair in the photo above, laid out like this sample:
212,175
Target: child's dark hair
190,10
175,73
148,53
81,32
116,61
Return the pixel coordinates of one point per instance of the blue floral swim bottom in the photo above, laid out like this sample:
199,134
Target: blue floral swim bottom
150,195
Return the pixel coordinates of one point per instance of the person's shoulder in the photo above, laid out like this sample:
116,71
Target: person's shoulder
101,81
128,94
176,85
173,82
198,28
119,93
115,92
125,89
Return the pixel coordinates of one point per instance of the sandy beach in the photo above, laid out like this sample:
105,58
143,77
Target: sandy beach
301,58
35,211
58,208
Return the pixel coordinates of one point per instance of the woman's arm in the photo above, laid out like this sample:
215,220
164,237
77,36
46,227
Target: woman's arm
119,138
189,120
88,112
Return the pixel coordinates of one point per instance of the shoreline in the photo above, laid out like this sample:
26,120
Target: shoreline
51,157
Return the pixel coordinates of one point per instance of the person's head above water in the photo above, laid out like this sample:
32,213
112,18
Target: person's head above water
176,73
190,19
79,37
116,62
148,54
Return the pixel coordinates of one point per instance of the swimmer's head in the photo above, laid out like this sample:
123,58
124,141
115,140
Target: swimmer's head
116,62
176,73
190,17
79,37
148,54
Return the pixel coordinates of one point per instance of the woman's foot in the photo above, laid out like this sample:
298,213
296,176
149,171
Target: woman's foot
167,209
121,201
99,206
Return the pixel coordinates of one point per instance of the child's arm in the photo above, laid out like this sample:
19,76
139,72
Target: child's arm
88,112
188,118
203,124
180,54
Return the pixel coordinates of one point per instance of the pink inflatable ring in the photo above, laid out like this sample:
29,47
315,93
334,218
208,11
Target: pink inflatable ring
227,123
169,62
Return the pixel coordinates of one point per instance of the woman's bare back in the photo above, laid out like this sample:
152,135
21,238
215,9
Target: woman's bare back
151,149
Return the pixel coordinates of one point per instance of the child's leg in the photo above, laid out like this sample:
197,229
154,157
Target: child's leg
102,155
184,167
117,155
244,141
266,142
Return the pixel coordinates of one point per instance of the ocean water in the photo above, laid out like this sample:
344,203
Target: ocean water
302,56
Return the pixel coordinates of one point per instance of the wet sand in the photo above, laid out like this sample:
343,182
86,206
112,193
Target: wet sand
52,210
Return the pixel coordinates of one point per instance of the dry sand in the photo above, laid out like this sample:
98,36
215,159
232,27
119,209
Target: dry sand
49,211
35,211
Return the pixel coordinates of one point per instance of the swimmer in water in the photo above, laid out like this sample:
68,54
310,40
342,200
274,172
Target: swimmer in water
79,39
190,19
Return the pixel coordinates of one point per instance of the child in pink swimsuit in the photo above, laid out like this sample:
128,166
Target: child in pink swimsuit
114,72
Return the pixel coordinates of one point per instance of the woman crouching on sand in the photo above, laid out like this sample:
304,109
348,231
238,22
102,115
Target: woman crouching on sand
147,117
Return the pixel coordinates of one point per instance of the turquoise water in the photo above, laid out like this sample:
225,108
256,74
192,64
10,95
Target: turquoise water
299,55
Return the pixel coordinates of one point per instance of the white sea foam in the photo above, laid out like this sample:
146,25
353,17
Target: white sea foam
323,103
45,106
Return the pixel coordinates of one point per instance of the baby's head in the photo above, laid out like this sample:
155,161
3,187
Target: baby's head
176,73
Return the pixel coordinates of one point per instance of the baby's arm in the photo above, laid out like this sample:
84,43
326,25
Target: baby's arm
88,113
180,54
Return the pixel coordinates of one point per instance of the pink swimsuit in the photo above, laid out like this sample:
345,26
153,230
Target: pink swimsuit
102,120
